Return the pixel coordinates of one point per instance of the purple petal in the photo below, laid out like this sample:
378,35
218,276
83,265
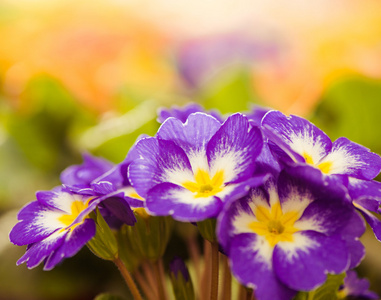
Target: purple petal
353,159
251,265
266,162
358,287
181,113
35,254
31,228
74,241
296,136
103,187
354,229
364,188
177,266
304,265
373,221
159,161
257,114
234,148
170,199
120,208
231,212
91,168
193,135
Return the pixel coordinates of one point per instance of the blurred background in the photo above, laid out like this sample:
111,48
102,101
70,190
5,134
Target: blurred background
89,76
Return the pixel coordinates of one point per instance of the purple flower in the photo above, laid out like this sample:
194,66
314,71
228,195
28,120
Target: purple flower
54,227
297,142
201,59
110,182
177,267
356,288
182,113
82,175
287,234
189,170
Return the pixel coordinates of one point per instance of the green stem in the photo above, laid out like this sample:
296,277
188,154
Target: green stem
159,281
215,267
127,277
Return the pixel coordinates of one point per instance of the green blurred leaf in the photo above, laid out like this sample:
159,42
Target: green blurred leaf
328,291
108,297
233,92
351,108
41,131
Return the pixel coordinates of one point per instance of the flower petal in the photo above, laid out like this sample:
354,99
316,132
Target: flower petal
74,241
353,159
304,263
234,149
36,223
297,137
160,161
251,264
37,252
192,136
170,199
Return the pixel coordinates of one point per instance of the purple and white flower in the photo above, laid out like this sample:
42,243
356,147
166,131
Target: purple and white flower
55,226
296,141
189,170
182,113
99,178
286,235
356,288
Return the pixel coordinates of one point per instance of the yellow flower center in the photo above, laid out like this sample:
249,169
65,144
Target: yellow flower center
76,208
204,186
273,224
135,195
325,167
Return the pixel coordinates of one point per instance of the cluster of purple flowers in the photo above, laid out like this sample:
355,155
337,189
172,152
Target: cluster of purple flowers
290,204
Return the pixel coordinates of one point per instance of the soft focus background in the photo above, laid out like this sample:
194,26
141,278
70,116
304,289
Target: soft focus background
88,76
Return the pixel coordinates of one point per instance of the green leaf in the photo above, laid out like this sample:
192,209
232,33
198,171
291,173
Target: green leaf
207,229
107,297
351,108
41,127
328,291
232,92
104,243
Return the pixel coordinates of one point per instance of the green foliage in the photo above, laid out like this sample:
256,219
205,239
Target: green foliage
104,243
328,291
351,108
149,236
41,129
207,229
232,93
108,297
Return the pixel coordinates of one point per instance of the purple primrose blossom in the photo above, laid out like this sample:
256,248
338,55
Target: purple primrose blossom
355,288
297,142
291,232
189,170
54,227
182,113
111,183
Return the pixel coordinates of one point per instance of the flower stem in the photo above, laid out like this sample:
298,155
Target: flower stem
127,277
227,287
215,270
159,280
204,290
150,295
